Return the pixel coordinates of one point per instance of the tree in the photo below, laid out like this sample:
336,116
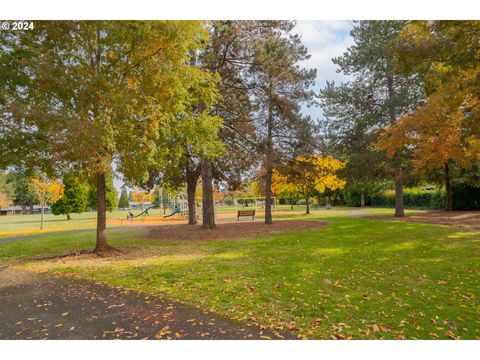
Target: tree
282,187
446,54
309,173
110,90
435,134
47,192
377,96
281,86
5,200
141,197
123,202
111,196
229,53
22,196
74,199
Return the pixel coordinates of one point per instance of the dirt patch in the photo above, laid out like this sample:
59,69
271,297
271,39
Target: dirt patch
238,230
469,219
42,306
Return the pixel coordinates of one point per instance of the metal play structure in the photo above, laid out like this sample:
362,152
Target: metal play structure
176,205
254,202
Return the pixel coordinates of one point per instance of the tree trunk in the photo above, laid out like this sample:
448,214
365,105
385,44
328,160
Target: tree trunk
101,244
207,196
41,217
268,195
448,189
399,208
31,208
291,204
269,163
362,199
192,180
24,209
68,217
307,200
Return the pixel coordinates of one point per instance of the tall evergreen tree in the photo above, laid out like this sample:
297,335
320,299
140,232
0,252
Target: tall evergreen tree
377,96
280,87
123,202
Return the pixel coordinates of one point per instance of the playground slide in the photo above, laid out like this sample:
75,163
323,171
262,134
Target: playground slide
145,212
173,213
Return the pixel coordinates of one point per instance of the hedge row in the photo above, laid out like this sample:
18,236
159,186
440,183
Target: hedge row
412,198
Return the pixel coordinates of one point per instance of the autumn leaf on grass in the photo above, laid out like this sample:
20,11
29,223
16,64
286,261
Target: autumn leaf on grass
291,325
452,335
442,282
337,284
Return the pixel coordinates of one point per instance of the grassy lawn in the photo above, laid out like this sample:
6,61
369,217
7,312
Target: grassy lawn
354,278
18,225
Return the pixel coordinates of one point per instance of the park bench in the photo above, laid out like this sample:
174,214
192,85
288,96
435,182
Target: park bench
249,213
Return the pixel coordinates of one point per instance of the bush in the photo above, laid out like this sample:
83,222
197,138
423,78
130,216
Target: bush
412,198
465,197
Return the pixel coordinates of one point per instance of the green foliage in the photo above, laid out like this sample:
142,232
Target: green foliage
123,202
466,197
110,193
413,198
75,196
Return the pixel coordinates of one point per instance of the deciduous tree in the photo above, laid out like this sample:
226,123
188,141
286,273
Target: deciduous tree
309,173
97,91
75,196
47,192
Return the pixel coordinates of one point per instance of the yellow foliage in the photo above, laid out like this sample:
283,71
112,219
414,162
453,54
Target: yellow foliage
47,191
141,197
5,200
307,173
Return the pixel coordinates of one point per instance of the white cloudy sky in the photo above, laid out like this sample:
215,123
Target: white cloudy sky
324,40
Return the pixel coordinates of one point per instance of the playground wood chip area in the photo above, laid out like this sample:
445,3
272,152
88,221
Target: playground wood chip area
231,230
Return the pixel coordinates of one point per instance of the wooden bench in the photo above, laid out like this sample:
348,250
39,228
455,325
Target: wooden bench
241,213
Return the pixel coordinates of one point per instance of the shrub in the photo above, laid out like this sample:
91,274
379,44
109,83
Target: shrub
412,198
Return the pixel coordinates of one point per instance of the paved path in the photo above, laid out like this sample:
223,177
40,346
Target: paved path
40,306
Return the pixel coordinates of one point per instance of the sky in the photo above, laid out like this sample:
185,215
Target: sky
324,41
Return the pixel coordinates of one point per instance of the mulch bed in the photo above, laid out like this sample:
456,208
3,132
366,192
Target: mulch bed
469,219
237,230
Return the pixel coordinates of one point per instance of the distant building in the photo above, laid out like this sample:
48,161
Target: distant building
18,210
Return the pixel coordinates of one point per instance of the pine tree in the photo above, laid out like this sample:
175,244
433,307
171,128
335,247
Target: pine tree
280,87
123,202
377,96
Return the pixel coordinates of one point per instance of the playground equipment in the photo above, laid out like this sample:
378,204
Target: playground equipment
255,202
176,204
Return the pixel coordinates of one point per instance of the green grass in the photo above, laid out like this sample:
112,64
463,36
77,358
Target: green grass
17,225
354,278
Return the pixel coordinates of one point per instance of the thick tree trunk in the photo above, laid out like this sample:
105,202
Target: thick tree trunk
31,208
399,207
448,189
24,209
291,204
68,217
192,180
207,196
101,244
41,217
362,199
307,200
